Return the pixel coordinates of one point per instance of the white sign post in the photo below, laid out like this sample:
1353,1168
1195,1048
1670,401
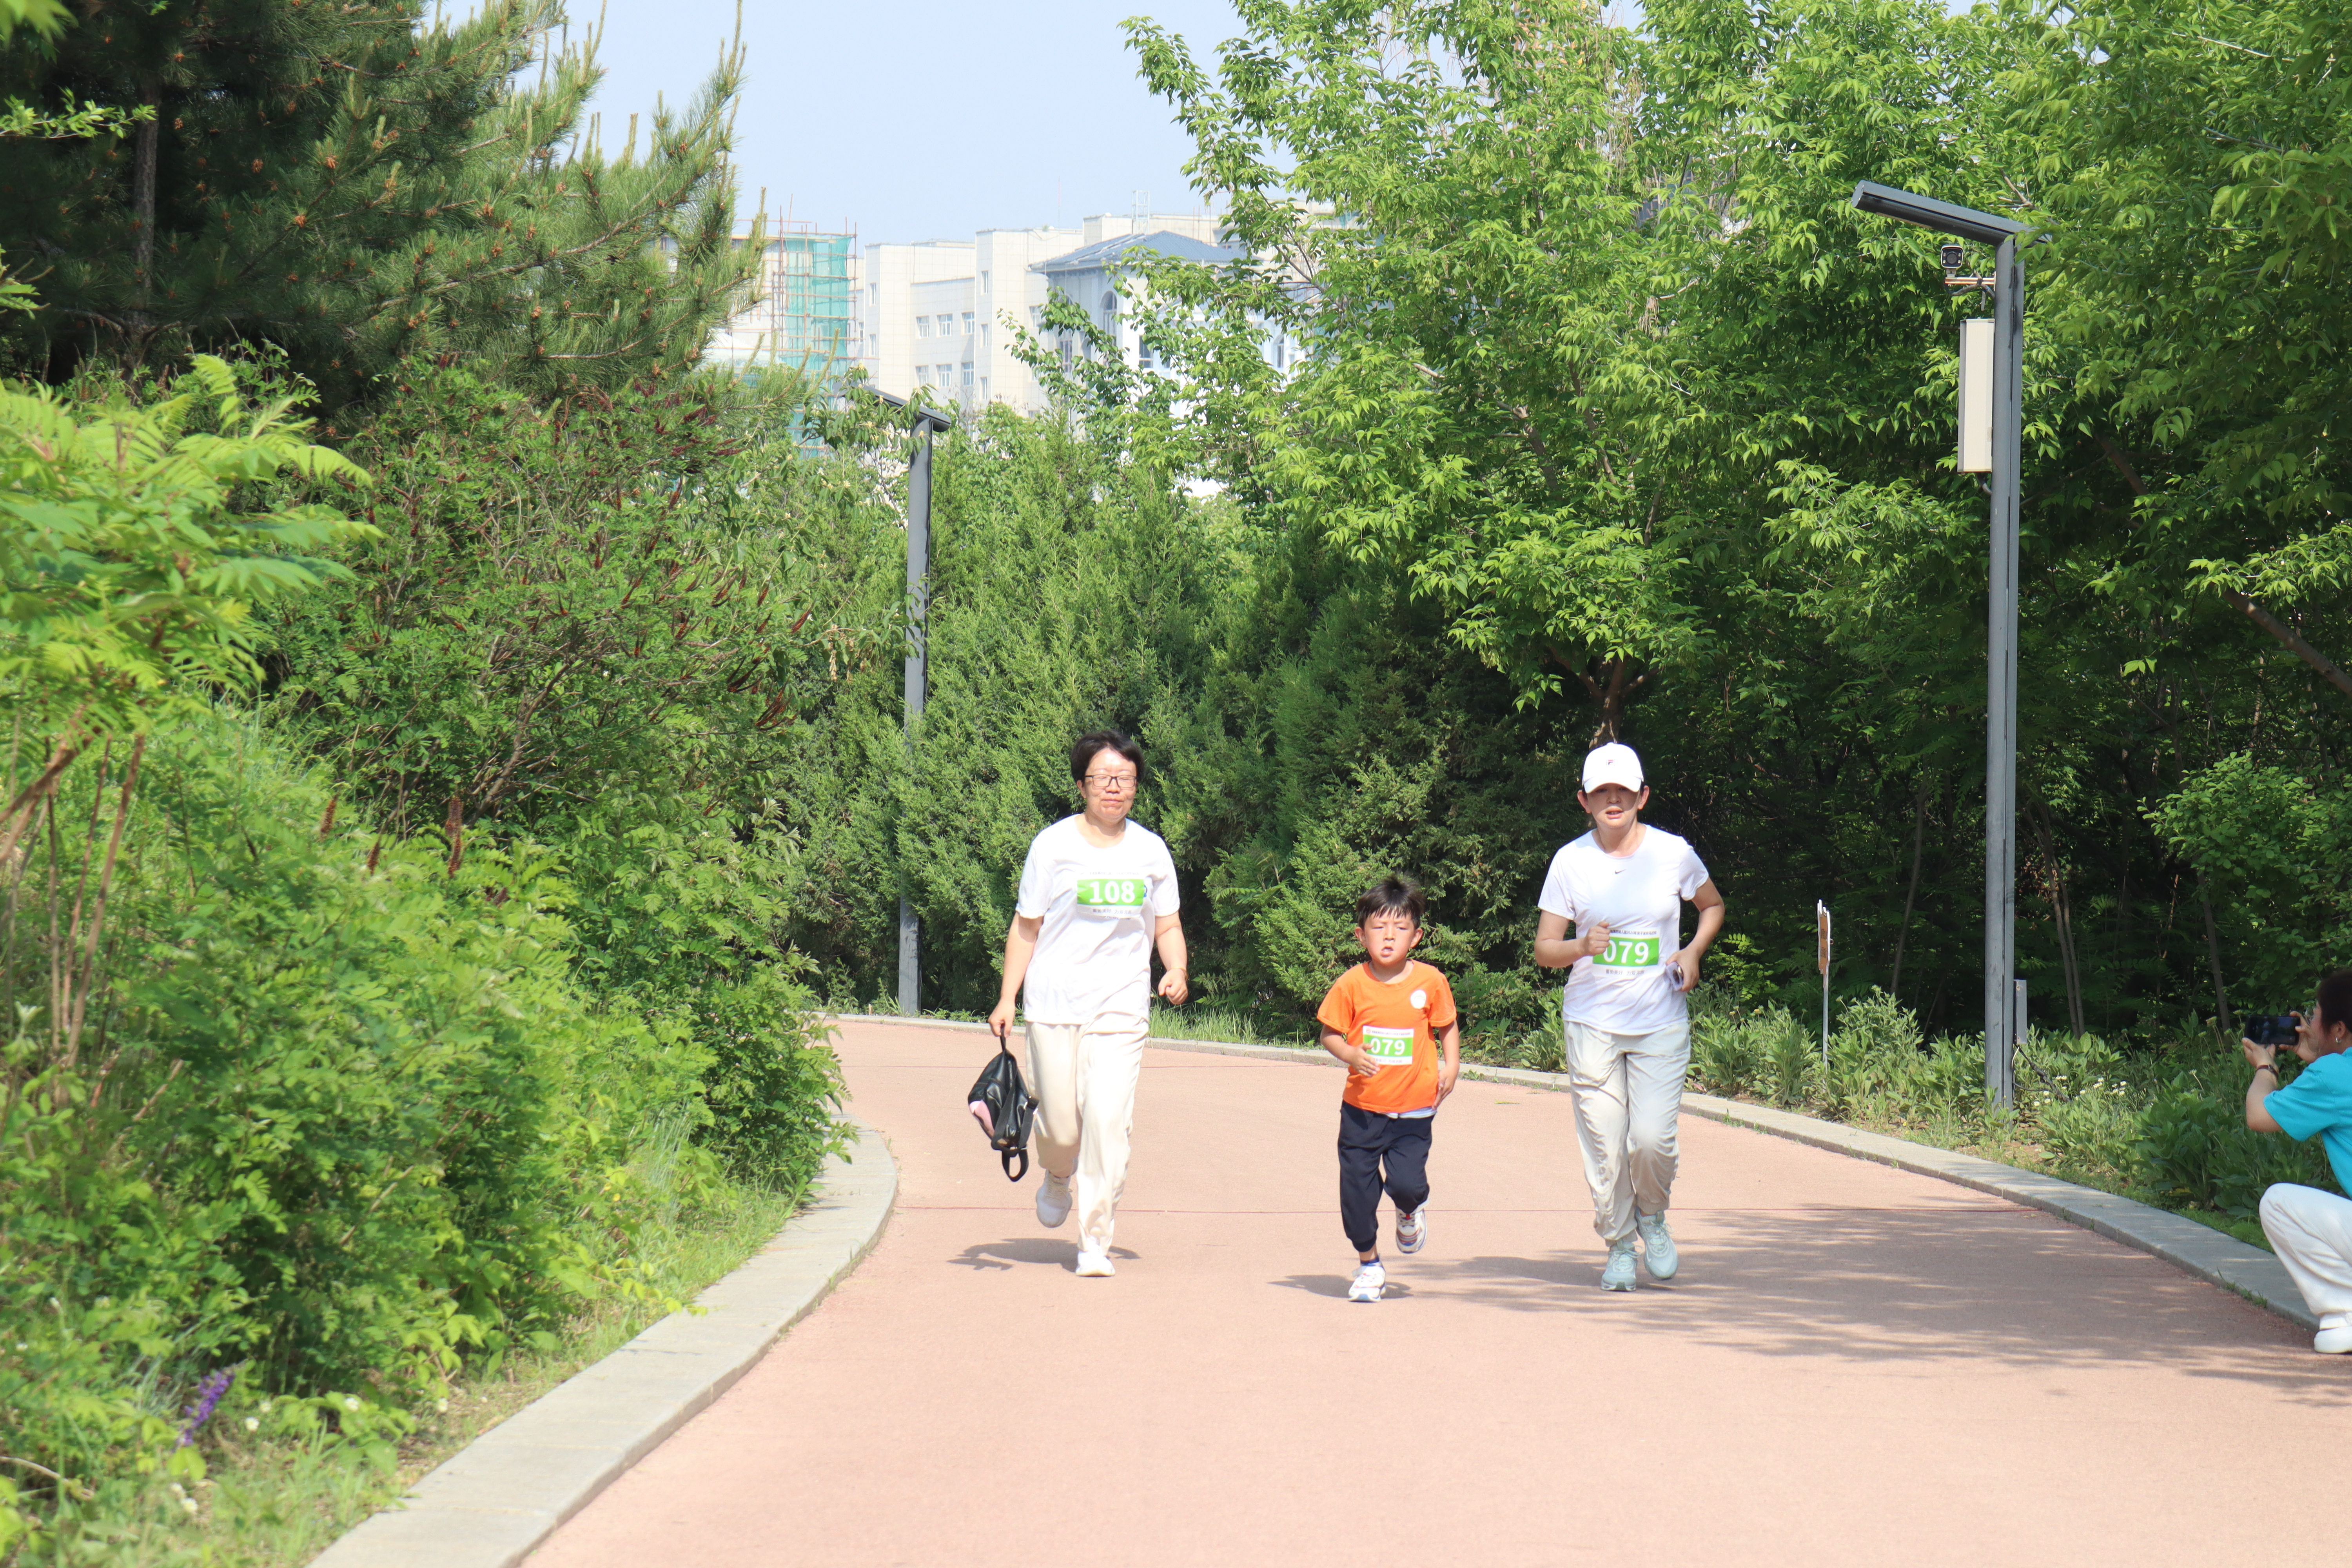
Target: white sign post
1821,917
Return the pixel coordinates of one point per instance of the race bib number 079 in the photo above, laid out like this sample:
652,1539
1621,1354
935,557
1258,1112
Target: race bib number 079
1388,1044
1113,893
1629,952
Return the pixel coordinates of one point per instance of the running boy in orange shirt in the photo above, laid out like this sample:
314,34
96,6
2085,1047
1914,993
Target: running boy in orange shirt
1387,1019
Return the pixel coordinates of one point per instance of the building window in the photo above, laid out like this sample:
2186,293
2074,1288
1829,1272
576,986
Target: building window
1110,302
968,324
983,389
1143,356
922,326
967,375
983,281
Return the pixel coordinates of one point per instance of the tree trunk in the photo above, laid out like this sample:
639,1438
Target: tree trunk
2062,912
1911,898
143,155
2213,955
1606,682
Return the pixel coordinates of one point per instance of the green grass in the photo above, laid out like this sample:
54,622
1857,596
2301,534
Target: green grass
1200,1021
276,1505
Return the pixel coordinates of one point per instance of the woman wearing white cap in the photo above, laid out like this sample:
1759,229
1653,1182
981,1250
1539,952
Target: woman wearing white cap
1622,887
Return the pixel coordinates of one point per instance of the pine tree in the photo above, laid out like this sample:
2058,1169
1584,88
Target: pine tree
353,185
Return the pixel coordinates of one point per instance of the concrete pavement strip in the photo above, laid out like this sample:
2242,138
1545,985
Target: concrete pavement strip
494,1500
2208,1254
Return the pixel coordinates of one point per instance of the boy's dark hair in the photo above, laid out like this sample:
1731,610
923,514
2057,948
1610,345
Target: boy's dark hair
1391,896
2335,999
1094,743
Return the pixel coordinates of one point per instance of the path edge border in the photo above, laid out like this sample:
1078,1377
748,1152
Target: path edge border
494,1501
2200,1250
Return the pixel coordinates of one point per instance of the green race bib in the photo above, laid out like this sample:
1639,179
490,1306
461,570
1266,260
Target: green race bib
1388,1044
1629,952
1113,893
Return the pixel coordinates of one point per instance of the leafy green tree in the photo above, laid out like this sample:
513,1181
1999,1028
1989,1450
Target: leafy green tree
355,183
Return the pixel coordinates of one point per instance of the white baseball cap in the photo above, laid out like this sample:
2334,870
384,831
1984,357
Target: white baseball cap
1611,764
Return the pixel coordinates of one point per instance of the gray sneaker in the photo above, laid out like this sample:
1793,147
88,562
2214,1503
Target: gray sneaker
1658,1254
1053,1201
1413,1230
1619,1274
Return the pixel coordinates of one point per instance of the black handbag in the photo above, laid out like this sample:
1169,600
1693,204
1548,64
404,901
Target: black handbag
1001,1102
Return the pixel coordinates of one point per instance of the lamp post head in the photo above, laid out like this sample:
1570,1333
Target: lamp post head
923,418
1944,217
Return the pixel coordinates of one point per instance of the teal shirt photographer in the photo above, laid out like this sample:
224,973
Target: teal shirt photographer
2319,1103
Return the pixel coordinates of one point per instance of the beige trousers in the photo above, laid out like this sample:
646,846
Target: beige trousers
2312,1231
1627,1092
1084,1076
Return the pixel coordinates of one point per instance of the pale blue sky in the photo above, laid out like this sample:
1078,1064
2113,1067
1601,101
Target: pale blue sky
924,119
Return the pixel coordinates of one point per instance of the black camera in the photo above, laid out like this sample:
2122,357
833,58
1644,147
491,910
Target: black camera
2271,1028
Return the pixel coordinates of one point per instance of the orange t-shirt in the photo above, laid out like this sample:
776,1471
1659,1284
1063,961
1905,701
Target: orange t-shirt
1397,1027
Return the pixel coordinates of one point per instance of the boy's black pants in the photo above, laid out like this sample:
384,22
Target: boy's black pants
1377,1152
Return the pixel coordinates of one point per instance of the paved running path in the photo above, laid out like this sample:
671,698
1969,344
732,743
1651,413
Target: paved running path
1858,1366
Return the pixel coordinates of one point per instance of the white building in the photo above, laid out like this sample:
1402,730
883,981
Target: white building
935,313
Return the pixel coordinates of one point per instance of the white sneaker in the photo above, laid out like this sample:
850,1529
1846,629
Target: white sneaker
1094,1264
1619,1274
1371,1280
1413,1230
1053,1201
2332,1341
1658,1254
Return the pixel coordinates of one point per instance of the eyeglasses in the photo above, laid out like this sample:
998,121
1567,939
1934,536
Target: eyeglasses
1111,783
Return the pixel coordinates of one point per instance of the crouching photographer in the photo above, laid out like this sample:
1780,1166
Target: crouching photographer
2310,1230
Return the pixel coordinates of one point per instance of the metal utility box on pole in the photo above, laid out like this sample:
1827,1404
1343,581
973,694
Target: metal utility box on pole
2007,399
1976,394
918,605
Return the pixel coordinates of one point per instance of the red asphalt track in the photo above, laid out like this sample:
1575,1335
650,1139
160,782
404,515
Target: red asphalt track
1858,1365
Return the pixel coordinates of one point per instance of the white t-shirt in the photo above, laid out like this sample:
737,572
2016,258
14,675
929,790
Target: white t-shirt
1098,907
1629,989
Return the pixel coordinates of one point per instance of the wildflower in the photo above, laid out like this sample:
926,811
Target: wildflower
440,1407
209,1398
251,1425
351,1402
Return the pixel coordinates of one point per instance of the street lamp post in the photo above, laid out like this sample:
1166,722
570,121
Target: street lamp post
2003,1018
918,603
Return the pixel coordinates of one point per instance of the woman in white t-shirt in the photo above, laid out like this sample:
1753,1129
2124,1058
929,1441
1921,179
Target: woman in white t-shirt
1622,887
1097,892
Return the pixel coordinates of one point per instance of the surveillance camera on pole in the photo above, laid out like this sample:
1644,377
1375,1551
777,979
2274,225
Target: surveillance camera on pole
1992,440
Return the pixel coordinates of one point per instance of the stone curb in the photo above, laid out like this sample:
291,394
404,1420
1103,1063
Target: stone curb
489,1504
2208,1254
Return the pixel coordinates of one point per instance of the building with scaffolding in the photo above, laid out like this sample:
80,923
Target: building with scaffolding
804,316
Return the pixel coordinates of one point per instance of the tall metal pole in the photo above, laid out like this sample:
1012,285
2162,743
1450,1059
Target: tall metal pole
2000,718
2004,1012
918,599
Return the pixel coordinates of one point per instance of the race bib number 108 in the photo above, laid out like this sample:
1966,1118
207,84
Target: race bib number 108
1629,952
1113,893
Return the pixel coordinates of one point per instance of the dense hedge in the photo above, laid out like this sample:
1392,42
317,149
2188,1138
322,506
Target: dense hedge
309,1104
